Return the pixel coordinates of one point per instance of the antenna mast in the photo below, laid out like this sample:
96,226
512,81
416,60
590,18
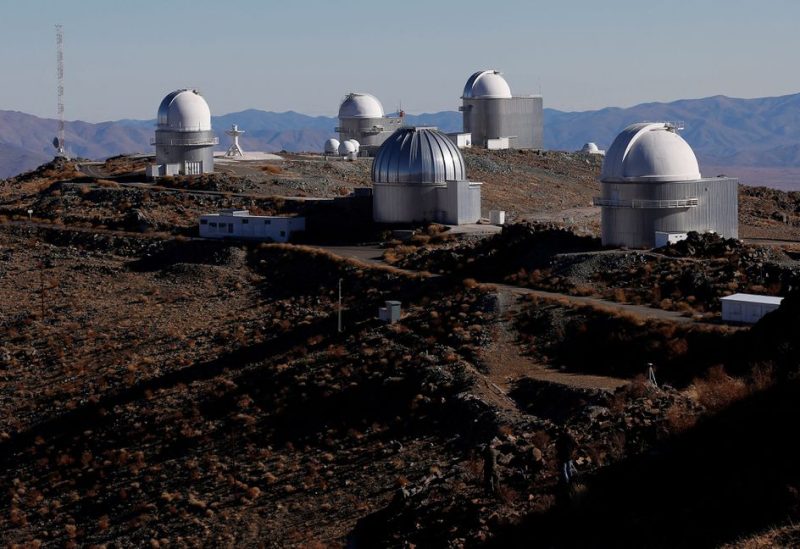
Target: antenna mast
58,142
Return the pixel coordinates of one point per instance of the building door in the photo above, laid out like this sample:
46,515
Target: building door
192,168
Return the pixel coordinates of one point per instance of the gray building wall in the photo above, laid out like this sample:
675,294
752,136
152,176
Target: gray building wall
366,131
459,203
632,212
520,118
403,202
180,147
454,202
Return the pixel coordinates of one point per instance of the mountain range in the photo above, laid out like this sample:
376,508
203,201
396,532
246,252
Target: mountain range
761,135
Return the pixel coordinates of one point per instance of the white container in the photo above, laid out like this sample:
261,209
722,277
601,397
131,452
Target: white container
748,308
664,238
497,217
498,144
391,313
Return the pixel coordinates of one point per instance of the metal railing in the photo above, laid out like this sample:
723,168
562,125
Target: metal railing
185,142
363,131
646,204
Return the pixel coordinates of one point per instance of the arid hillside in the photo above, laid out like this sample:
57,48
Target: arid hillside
158,389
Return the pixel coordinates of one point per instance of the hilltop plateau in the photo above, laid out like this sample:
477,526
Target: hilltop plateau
756,139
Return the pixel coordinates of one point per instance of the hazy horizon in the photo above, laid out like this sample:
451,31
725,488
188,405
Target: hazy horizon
121,60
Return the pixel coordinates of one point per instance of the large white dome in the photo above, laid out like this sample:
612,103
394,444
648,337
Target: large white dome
488,84
184,110
360,105
650,152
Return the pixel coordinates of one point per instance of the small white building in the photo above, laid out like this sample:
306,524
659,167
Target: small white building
664,238
391,313
462,140
241,224
748,308
498,143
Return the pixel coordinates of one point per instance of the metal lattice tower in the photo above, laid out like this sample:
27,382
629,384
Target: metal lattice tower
58,142
234,149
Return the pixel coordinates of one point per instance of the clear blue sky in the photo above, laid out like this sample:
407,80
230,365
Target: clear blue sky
122,57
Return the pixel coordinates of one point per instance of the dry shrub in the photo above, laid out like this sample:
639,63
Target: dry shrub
719,390
272,168
677,347
583,290
435,228
470,283
505,430
638,387
507,494
762,377
441,238
420,239
679,419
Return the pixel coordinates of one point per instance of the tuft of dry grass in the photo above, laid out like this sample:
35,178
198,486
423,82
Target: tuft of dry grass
272,168
718,390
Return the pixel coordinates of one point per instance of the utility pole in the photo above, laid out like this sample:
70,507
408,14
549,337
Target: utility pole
340,305
58,142
41,287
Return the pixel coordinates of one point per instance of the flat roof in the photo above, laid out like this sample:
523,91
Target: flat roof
251,216
753,298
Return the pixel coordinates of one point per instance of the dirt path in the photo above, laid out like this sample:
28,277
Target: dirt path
642,311
507,363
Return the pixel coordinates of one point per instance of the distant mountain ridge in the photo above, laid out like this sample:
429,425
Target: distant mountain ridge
723,131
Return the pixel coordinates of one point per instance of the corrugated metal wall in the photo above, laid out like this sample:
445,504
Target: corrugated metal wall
717,210
492,118
454,203
361,129
404,203
178,154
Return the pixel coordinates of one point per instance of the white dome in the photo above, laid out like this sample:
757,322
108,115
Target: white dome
650,152
184,110
346,147
360,105
356,144
332,146
487,84
590,148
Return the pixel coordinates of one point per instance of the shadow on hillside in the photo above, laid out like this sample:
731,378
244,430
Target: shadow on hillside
735,474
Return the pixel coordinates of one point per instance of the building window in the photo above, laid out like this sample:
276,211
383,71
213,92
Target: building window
230,227
245,221
267,222
213,224
204,221
283,233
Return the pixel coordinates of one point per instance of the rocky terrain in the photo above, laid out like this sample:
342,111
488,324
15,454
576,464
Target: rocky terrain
162,390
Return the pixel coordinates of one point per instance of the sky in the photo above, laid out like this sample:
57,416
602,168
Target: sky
122,57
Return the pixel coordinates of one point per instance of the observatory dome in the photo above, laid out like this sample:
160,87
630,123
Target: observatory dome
184,110
346,147
590,148
360,105
488,84
650,152
418,155
332,146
